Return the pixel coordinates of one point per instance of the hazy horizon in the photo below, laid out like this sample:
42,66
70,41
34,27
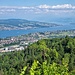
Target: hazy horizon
39,10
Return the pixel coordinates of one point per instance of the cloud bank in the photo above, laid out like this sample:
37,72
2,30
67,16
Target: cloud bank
65,8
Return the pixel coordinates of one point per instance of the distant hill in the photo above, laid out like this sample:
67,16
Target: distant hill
12,21
15,24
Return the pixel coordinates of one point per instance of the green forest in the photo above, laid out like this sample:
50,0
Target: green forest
54,56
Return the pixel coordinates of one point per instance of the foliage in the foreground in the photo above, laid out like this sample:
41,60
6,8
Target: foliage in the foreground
47,69
46,57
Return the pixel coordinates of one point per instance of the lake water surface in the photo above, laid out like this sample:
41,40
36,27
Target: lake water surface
9,33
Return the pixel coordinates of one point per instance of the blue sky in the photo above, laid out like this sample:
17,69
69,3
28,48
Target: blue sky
34,2
41,10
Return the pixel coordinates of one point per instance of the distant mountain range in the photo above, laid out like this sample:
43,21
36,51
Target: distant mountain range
17,24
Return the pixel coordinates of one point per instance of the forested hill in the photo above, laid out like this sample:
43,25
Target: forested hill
17,24
46,57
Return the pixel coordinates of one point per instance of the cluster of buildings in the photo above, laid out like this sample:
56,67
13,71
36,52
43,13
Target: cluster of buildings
11,48
21,42
16,43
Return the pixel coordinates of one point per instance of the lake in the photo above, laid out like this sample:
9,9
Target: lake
9,33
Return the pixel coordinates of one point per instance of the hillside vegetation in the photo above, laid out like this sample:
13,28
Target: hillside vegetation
18,24
45,57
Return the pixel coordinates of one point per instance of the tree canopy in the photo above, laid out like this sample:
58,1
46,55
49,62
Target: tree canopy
45,57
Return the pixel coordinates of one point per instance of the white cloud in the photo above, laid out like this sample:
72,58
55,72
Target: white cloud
11,10
38,9
44,6
64,6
